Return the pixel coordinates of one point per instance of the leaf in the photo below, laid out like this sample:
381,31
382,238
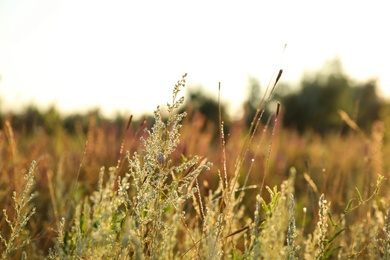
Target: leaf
270,191
331,251
234,254
379,183
380,180
331,219
264,205
144,214
349,205
335,235
167,208
263,223
359,195
275,189
83,224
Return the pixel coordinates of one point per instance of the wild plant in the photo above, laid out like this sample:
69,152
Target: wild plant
141,217
269,235
23,211
161,188
382,245
319,244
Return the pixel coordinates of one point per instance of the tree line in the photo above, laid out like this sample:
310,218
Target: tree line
314,105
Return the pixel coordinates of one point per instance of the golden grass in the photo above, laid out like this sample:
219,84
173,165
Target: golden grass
231,194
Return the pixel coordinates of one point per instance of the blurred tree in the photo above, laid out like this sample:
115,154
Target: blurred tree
253,101
368,104
29,121
199,101
52,120
33,119
79,123
385,117
315,106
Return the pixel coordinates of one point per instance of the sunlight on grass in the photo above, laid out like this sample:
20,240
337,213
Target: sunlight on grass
180,193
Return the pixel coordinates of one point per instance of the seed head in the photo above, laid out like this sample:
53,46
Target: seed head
161,158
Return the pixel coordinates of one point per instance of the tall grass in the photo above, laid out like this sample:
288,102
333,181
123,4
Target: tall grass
269,194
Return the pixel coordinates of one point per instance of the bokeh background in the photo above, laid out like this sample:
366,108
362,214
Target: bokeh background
124,56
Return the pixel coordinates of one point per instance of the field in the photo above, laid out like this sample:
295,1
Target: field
177,186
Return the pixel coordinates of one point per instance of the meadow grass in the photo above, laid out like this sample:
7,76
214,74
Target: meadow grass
170,191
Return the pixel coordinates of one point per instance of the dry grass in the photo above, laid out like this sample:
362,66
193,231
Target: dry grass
161,201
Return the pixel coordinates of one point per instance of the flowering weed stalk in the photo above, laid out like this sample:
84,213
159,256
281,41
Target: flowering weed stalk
23,212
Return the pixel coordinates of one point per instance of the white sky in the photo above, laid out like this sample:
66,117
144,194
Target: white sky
128,55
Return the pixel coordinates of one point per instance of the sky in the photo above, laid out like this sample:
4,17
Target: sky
126,56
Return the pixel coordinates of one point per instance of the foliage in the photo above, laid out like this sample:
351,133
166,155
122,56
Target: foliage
253,102
316,104
206,106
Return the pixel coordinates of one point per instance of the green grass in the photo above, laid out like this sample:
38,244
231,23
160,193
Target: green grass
264,193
